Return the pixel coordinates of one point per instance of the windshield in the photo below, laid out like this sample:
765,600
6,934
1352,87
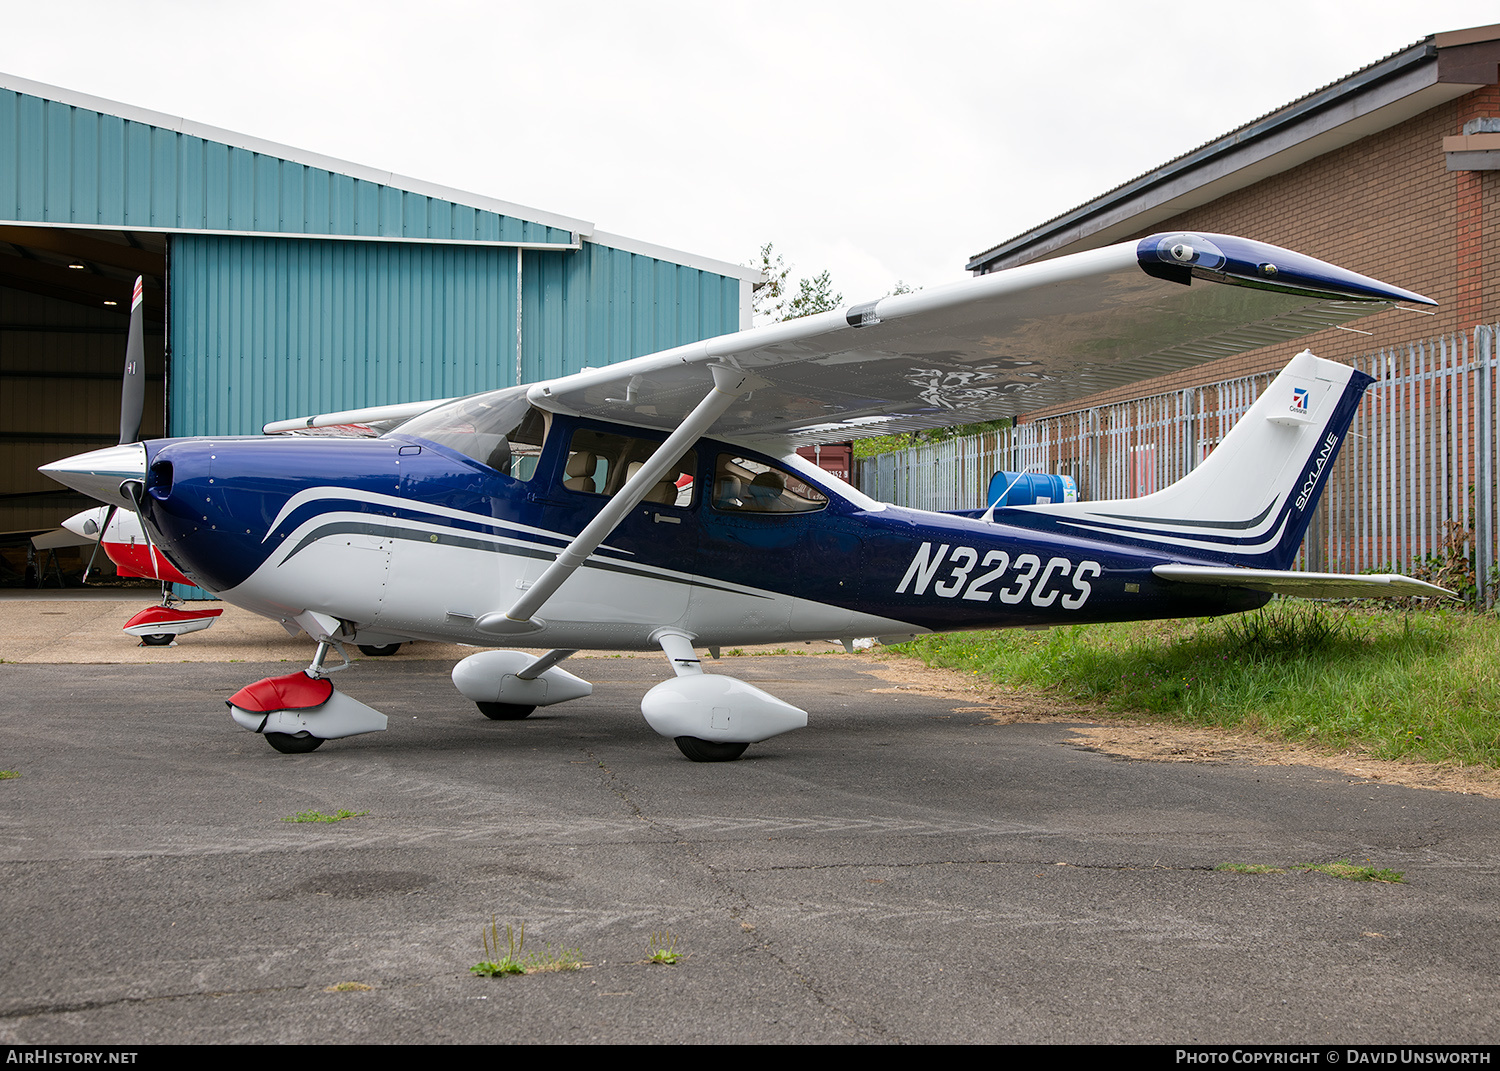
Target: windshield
500,429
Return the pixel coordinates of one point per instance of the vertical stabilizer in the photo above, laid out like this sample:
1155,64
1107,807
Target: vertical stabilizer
1250,501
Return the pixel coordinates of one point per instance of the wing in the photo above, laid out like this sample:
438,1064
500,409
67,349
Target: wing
994,346
1305,585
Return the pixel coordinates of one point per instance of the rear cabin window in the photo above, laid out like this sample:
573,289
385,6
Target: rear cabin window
600,463
745,486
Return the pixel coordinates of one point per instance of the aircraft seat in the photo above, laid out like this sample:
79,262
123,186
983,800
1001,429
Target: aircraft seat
580,472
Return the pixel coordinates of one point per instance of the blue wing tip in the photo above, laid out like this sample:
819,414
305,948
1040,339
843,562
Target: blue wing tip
1183,254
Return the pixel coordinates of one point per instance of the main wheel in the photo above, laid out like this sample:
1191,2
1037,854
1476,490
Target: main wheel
158,639
378,650
709,750
288,744
504,711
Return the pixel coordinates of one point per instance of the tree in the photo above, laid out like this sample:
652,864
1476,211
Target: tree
813,295
770,296
773,301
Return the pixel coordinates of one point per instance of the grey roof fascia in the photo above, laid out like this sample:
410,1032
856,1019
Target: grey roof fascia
1398,87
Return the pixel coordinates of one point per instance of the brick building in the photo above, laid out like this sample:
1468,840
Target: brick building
1392,171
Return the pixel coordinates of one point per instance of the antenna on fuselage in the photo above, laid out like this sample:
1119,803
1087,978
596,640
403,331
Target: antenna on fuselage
989,514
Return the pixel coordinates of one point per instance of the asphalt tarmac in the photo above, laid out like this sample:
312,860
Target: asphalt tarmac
902,870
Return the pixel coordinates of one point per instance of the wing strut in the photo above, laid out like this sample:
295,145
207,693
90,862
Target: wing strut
729,384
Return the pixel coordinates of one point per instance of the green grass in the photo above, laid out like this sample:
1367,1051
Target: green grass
6,775
1400,685
319,816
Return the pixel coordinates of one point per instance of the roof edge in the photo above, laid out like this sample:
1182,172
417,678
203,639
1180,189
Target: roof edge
689,260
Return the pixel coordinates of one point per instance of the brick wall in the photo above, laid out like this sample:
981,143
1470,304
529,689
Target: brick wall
1385,206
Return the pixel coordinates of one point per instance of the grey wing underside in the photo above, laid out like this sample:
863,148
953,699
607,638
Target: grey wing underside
996,346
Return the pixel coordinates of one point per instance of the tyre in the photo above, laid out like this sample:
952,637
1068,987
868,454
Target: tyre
378,650
159,639
709,750
288,744
504,711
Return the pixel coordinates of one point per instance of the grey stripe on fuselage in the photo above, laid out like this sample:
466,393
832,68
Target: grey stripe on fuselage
335,528
1251,523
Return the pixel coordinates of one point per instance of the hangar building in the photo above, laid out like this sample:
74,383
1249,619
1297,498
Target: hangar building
279,282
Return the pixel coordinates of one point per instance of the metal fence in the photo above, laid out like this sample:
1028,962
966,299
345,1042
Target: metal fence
1420,458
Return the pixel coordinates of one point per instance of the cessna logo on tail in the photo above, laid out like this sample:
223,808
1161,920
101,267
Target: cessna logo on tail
1028,569
1299,400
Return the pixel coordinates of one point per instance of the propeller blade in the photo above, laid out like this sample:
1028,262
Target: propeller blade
133,389
108,516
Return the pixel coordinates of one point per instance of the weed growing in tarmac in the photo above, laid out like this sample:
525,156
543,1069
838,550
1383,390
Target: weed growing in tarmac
662,948
6,775
1340,868
494,963
347,987
513,961
1250,868
319,816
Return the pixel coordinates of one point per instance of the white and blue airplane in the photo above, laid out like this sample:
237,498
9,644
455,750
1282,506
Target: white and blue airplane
660,502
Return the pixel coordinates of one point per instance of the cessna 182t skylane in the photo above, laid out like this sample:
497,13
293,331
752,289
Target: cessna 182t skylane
659,502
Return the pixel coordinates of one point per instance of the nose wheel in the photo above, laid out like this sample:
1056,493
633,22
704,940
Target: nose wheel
293,744
504,711
709,750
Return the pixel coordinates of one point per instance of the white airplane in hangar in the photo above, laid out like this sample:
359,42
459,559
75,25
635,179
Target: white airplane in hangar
660,503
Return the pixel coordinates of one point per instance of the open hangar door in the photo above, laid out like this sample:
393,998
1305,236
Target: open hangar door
64,312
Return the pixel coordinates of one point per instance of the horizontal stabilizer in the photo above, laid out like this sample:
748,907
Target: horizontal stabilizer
1304,585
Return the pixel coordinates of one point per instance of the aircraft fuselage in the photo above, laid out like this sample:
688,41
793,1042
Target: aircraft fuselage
408,538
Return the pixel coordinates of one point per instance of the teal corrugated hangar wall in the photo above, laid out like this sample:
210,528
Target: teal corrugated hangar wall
267,328
298,284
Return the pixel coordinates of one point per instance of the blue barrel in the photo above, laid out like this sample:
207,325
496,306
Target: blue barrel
1031,489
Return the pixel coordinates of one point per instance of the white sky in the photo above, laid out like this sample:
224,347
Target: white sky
882,141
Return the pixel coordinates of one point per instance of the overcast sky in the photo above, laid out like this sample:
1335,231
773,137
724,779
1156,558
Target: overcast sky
882,141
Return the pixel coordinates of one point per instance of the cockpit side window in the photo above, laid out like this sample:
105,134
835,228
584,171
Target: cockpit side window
600,463
746,486
500,429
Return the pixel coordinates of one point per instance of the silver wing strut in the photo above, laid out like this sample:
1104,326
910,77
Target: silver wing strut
729,384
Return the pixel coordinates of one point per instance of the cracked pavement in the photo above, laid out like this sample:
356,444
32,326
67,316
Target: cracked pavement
899,871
